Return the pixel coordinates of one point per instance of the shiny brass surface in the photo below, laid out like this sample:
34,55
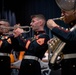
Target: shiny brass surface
55,48
60,18
12,28
15,27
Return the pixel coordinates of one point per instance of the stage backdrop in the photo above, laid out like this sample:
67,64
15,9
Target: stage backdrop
19,11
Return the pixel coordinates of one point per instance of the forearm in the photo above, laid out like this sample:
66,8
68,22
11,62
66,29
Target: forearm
18,43
64,35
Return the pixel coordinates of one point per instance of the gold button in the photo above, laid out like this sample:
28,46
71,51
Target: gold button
73,65
1,60
22,37
30,64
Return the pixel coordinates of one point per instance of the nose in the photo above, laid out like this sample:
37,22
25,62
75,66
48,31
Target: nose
63,13
30,23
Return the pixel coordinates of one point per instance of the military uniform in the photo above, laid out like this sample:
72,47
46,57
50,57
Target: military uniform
5,49
34,50
68,64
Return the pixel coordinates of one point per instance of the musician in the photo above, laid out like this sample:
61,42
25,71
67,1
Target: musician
68,9
5,48
34,47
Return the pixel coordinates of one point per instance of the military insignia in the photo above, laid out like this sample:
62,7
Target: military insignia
33,38
27,44
9,41
36,37
41,41
0,43
5,37
2,37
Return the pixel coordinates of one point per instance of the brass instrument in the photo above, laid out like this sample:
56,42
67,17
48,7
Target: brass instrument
55,48
11,28
15,27
60,18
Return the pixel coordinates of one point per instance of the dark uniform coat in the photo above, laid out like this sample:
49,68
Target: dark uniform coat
68,66
36,47
5,50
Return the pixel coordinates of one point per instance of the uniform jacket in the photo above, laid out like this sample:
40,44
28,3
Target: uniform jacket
5,44
35,46
69,37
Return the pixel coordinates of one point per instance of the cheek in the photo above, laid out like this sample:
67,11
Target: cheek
69,18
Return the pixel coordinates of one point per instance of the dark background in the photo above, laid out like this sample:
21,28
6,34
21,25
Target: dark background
23,9
19,11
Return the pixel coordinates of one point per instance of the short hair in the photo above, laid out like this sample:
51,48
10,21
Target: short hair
40,16
5,20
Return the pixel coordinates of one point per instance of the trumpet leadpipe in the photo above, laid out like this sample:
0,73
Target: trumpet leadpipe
15,27
11,28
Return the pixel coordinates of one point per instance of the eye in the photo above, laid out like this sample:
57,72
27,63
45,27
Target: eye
33,21
1,24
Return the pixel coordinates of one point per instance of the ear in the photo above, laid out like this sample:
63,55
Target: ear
75,13
40,22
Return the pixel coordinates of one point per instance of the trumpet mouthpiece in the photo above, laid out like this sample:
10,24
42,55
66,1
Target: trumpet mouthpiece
60,18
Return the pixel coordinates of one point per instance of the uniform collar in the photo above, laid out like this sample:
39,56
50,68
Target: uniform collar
38,32
3,36
72,23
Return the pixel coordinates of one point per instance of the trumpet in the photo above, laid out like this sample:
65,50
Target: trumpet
60,18
15,27
11,28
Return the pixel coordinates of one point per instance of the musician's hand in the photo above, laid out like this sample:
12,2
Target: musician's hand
51,24
17,32
17,26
